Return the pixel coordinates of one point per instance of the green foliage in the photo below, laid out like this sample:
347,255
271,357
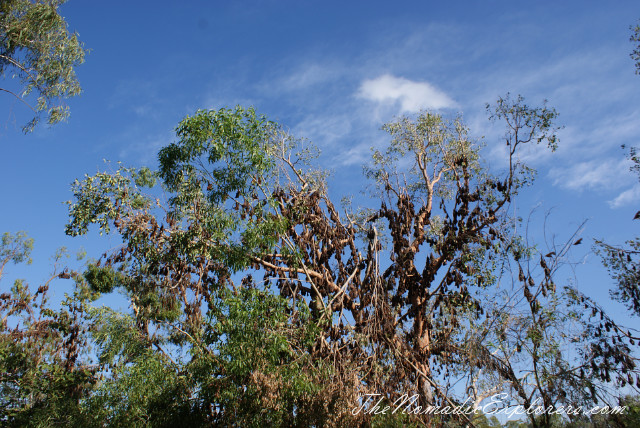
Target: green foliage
429,139
116,337
239,199
42,375
101,198
139,394
226,150
102,279
263,352
635,39
624,267
336,315
15,248
221,161
37,48
623,261
524,123
139,385
249,367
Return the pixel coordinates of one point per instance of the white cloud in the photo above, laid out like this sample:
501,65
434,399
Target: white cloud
325,130
412,96
628,197
310,75
601,174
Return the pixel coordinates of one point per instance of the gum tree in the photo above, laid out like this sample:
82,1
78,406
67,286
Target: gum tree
44,373
401,298
37,49
623,261
205,342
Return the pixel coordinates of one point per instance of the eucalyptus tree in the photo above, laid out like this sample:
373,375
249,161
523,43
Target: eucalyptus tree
202,345
37,49
44,374
399,298
623,261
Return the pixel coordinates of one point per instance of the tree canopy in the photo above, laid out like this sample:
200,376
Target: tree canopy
37,49
255,299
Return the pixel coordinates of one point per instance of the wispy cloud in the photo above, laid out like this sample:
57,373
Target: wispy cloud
412,96
626,198
309,75
339,101
600,174
328,129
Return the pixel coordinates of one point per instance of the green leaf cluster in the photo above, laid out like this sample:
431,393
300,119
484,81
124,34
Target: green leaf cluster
37,48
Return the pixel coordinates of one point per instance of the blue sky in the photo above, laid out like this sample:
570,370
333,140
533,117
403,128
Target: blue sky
334,73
